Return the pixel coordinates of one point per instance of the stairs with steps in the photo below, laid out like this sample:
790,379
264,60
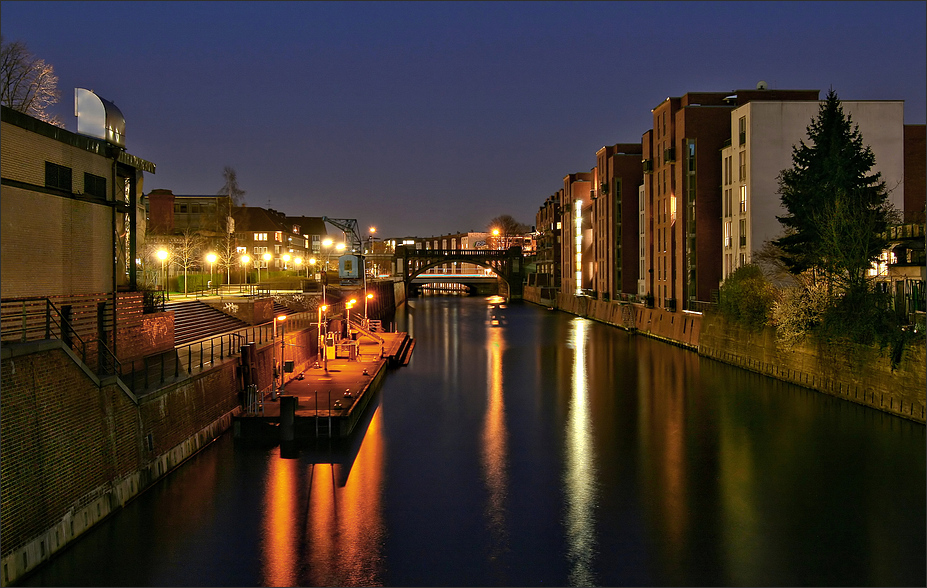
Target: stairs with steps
196,320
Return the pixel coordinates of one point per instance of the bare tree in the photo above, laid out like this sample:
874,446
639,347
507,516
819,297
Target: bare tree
27,84
228,255
504,229
186,252
231,188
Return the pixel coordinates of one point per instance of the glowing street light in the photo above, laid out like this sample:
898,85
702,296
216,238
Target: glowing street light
286,259
211,258
243,261
281,319
299,261
266,257
322,308
162,255
366,299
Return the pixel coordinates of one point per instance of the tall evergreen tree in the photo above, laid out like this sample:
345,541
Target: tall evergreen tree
837,208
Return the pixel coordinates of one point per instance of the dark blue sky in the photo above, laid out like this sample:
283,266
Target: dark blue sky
427,118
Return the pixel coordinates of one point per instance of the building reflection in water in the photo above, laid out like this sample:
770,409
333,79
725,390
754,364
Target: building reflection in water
663,433
580,475
495,451
323,522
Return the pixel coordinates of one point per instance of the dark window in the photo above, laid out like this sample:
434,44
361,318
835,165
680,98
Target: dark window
57,176
94,185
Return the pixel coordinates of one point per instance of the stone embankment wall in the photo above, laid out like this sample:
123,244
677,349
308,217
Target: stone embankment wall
856,373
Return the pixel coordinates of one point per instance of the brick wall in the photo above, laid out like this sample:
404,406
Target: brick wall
72,262
75,450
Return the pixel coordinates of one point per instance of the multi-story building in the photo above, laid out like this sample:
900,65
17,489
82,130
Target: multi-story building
288,243
763,134
685,190
578,259
548,223
618,174
81,194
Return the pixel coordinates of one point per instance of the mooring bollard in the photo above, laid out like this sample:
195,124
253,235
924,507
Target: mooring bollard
287,417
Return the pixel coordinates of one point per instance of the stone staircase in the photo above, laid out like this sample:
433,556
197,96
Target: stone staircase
195,320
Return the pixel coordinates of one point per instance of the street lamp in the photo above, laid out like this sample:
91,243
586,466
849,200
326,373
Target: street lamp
495,234
281,318
348,305
299,261
211,258
266,257
322,308
286,259
312,262
366,298
162,255
243,261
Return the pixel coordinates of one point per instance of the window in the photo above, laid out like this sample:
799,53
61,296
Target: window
727,233
743,199
94,186
278,237
743,232
742,160
57,176
259,250
742,128
260,236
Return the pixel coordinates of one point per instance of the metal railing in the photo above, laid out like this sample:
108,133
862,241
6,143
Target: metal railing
184,360
38,319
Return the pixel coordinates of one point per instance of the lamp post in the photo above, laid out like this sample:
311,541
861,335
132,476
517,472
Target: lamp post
286,260
266,257
495,234
211,258
366,298
312,262
243,261
298,261
162,255
273,394
322,308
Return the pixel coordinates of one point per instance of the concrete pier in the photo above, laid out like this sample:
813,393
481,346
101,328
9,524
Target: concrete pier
329,397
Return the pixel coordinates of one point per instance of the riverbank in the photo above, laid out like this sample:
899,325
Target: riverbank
859,374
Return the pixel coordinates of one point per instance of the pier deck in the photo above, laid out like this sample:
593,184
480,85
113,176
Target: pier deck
329,401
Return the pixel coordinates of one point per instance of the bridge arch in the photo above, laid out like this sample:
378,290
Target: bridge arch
506,264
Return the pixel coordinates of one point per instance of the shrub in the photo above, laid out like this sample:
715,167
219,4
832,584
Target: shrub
747,298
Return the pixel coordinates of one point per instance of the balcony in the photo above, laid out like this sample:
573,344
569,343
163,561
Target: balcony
669,155
648,166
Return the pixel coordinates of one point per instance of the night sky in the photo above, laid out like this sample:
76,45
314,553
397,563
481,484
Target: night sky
429,118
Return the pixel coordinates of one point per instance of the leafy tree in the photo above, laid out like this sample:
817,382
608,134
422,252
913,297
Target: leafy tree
508,229
27,84
837,208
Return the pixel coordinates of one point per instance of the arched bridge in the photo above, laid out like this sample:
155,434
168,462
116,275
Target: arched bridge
508,264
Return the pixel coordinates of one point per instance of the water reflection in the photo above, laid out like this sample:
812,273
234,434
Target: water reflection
344,517
280,555
495,446
579,476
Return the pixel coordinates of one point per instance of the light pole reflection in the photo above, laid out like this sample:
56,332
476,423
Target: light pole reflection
580,474
495,446
280,553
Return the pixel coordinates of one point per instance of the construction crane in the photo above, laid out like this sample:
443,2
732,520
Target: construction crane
352,240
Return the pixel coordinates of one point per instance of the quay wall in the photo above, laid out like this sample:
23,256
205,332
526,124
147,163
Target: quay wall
76,448
853,372
857,373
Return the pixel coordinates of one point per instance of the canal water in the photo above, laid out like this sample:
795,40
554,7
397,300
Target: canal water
523,446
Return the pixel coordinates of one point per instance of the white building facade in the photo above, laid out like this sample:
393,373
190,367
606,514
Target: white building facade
762,137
